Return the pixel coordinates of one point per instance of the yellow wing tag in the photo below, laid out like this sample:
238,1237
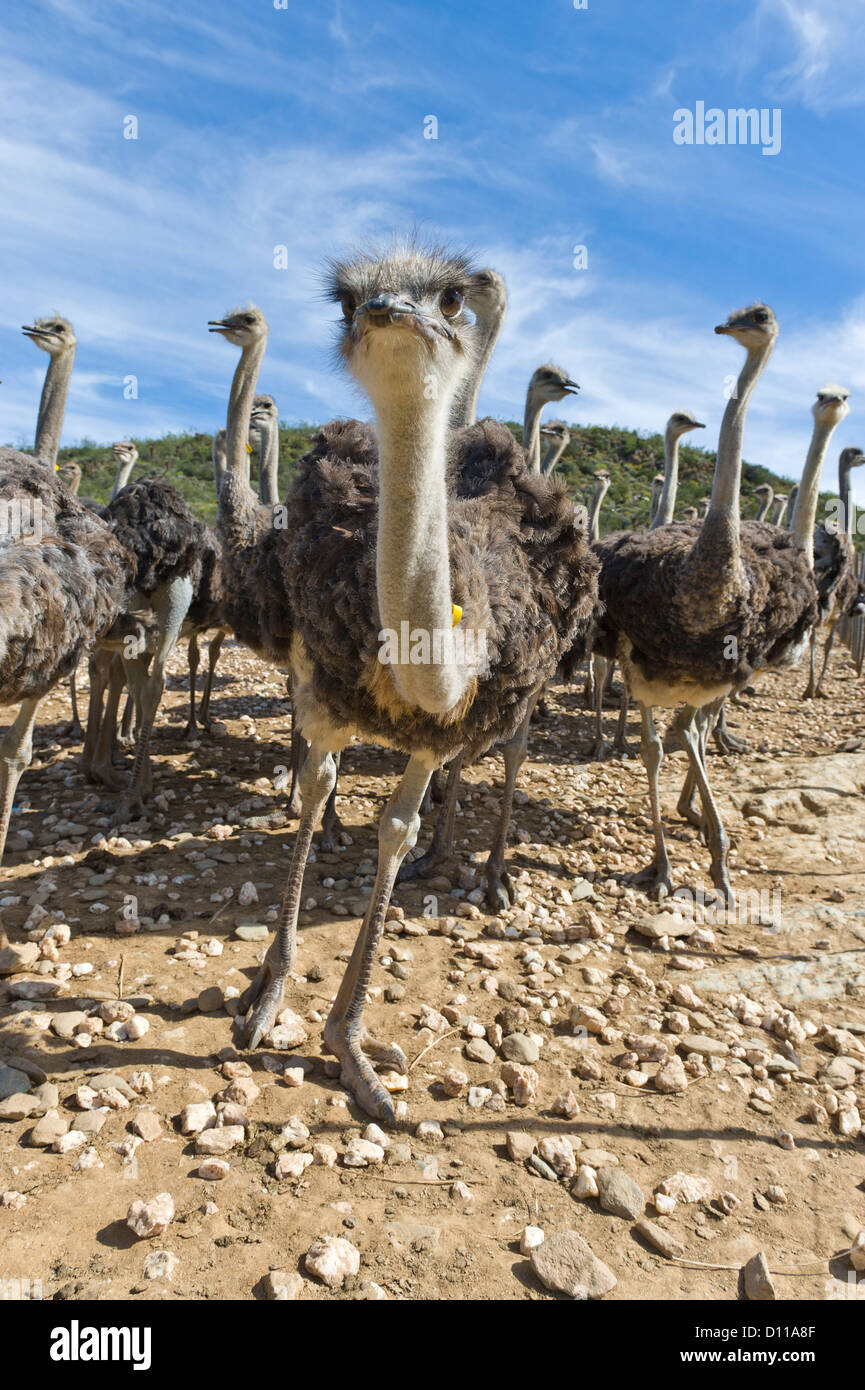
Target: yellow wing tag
456,613
249,448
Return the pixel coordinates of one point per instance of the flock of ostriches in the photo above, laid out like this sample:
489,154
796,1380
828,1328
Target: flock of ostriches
426,522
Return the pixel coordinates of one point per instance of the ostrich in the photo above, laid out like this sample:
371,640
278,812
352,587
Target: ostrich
602,486
681,422
55,336
126,457
657,486
693,610
791,505
690,514
835,560
406,524
704,504
767,496
70,475
559,436
781,499
63,578
548,383
218,451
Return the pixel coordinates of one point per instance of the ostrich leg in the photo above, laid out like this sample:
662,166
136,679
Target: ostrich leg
820,692
126,737
99,665
727,742
601,667
811,688
16,750
657,874
171,605
331,824
74,729
192,655
264,995
500,892
620,742
442,843
686,726
344,1032
101,766
214,647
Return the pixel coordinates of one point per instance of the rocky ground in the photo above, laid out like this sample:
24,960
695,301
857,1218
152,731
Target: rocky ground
579,1064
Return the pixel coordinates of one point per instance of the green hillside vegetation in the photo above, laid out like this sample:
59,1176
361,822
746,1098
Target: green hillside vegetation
632,459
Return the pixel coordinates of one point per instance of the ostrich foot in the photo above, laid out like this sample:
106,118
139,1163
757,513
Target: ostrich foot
422,867
106,774
729,743
686,807
356,1052
192,733
329,835
721,880
499,892
128,808
73,731
809,692
655,879
542,709
602,750
820,693
623,749
260,1002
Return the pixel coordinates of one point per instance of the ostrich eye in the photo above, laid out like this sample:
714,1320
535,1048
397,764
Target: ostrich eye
451,303
760,316
348,306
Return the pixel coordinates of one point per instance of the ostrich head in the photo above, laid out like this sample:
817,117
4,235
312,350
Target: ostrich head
831,405
551,383
264,411
53,334
242,327
681,421
755,327
557,430
764,490
70,473
404,325
851,457
125,453
486,294
689,514
704,503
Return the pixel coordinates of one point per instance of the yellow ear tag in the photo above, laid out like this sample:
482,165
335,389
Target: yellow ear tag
249,448
456,613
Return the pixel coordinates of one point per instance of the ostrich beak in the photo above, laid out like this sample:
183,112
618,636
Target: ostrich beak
219,326
33,332
724,328
698,425
571,387
384,310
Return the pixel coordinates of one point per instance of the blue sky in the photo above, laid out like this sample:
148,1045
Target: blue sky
304,127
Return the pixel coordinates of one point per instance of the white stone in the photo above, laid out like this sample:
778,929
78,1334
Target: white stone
332,1259
71,1140
152,1217
685,1187
530,1238
214,1169
292,1164
160,1264
664,1205
360,1153
195,1118
586,1184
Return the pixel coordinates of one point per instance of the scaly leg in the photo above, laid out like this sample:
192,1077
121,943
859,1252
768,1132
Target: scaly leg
264,995
16,750
657,874
214,647
620,742
442,843
685,724
73,728
299,748
126,737
500,892
602,667
171,605
811,688
727,742
820,692
192,657
99,665
344,1032
102,767
331,824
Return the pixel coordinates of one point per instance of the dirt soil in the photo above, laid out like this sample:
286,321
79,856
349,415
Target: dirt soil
794,809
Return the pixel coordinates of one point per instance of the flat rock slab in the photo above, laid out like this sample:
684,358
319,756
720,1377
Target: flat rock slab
619,1194
795,981
565,1263
13,1082
706,1046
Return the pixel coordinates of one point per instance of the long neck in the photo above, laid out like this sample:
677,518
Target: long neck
268,465
413,559
667,502
845,492
52,405
791,506
121,477
763,510
808,495
218,459
532,430
554,452
722,519
236,503
598,496
465,408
